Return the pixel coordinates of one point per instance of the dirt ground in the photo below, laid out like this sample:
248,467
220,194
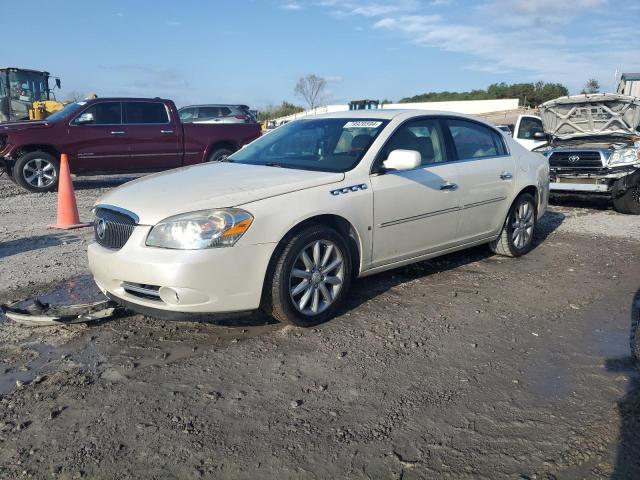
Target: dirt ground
467,366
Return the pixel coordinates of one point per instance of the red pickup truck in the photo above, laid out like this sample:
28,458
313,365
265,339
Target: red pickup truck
113,135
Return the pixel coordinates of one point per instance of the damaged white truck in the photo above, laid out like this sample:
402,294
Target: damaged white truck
594,147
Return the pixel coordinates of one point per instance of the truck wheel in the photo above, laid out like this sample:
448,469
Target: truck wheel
516,237
628,202
37,172
310,277
219,155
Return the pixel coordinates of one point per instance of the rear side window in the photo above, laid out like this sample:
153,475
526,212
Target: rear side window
473,140
208,112
225,111
145,112
105,113
528,127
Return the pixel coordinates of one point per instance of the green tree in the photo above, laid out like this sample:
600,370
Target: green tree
530,94
282,110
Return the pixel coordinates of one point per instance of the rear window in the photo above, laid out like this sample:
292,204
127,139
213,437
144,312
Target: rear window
145,113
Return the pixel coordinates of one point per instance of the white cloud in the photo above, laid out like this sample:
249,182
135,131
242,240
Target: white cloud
539,39
291,6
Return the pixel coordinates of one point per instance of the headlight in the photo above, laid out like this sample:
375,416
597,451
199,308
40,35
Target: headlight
202,229
625,156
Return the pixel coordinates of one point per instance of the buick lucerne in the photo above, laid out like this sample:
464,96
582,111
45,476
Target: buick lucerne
287,222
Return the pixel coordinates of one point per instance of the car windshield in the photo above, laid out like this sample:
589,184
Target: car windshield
326,144
68,110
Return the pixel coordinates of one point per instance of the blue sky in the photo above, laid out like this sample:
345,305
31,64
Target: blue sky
253,51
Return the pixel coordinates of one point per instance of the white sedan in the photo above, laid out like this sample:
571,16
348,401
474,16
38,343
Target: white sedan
288,221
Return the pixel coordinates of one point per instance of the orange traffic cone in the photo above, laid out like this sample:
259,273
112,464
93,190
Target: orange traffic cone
68,217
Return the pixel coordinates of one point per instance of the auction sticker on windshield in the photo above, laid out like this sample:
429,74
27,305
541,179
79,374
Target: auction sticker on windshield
362,124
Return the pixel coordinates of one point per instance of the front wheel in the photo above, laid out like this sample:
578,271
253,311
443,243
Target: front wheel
516,237
310,277
628,202
219,155
37,172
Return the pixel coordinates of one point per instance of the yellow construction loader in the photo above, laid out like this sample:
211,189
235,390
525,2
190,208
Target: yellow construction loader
26,94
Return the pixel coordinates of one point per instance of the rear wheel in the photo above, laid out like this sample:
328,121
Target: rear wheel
516,237
37,171
628,202
310,277
219,155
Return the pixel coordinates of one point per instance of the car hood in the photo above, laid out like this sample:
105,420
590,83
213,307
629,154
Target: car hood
603,114
210,185
7,127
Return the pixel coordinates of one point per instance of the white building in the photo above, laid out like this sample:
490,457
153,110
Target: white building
629,84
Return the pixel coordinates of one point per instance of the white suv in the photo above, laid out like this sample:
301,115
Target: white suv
288,221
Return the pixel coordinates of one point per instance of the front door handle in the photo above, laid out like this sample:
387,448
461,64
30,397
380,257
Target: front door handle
449,186
166,131
506,175
117,132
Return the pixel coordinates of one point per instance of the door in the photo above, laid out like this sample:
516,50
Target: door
416,211
485,177
526,127
100,141
154,139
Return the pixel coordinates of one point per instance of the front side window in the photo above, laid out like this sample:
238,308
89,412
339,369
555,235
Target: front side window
423,136
473,140
328,144
187,115
105,113
205,113
528,127
145,113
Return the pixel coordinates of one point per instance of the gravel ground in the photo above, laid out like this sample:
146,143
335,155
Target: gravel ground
467,366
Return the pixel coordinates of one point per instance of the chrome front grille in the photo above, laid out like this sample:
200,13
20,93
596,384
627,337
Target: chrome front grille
576,159
112,228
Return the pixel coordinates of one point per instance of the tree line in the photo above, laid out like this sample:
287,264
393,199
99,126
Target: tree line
529,94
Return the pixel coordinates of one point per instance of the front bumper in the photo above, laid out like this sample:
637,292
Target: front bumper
216,280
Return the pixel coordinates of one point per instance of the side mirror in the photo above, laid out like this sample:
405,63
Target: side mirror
85,118
403,160
58,83
540,136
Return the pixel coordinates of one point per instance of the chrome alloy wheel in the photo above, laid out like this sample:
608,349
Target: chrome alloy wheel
316,277
522,225
39,172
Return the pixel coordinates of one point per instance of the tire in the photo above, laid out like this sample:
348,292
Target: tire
522,216
219,155
37,172
327,277
629,202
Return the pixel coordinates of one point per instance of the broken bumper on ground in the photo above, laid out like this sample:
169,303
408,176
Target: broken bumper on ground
167,283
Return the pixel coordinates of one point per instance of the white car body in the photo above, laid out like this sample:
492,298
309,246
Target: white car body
394,218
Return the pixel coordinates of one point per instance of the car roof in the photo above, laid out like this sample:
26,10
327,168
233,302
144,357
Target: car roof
402,114
241,105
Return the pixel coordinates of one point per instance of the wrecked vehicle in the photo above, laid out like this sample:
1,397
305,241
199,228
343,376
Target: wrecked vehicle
594,147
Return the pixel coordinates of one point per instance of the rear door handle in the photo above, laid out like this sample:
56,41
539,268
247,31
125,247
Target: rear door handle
166,131
506,175
117,132
449,186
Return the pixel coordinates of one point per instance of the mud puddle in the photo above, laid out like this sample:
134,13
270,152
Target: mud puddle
124,344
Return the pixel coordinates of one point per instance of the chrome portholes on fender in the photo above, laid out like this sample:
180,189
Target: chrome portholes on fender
350,189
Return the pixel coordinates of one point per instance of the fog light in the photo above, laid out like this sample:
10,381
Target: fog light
169,295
